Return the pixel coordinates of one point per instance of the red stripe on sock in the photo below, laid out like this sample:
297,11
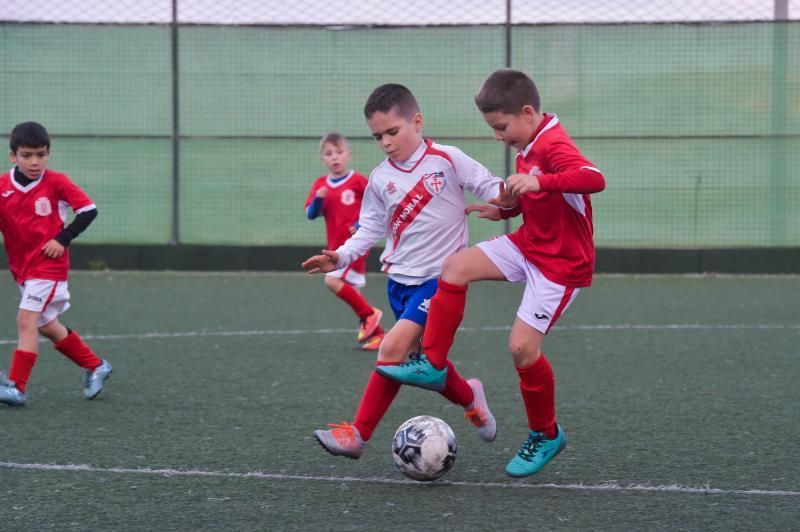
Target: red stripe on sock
21,366
375,401
444,316
538,386
357,302
75,349
456,389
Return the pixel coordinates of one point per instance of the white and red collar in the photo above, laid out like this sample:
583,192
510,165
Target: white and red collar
553,122
30,186
411,163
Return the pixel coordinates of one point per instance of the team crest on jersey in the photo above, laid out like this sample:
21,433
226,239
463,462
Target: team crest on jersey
348,197
391,188
43,207
535,170
434,182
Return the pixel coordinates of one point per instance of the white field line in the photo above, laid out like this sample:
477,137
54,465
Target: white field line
289,332
606,486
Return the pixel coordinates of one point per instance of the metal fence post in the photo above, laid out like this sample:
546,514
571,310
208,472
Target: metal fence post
176,139
507,154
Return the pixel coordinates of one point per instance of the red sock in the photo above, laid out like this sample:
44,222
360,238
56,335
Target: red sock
376,400
444,316
538,387
74,348
456,389
352,297
21,365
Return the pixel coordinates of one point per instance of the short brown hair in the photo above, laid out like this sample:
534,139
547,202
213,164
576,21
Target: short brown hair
386,97
334,138
507,91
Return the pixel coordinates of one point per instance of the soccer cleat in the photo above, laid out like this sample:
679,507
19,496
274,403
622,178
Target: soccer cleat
416,372
369,325
343,439
10,395
373,344
93,380
480,415
535,453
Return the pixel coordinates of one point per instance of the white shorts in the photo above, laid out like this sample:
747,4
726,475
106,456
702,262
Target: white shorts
543,301
51,298
348,274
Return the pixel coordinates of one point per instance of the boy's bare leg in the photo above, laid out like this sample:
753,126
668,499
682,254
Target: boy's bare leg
537,385
54,331
349,440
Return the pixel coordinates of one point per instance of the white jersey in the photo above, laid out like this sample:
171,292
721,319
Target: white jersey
419,207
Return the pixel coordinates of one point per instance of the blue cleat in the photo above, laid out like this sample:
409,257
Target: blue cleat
10,395
93,380
416,372
535,453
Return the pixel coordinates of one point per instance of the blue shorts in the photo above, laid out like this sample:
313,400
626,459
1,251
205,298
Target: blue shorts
410,302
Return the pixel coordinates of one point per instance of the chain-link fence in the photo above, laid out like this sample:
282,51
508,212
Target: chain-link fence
197,121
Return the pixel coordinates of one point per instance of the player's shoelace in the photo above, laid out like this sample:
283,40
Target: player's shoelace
343,432
530,446
415,359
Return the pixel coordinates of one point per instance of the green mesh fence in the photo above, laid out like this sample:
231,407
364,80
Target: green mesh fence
696,126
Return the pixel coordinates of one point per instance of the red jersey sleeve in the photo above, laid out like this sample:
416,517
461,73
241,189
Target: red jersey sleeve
571,172
313,192
72,194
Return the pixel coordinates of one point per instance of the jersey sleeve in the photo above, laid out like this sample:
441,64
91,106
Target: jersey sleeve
313,192
474,176
77,199
371,228
571,172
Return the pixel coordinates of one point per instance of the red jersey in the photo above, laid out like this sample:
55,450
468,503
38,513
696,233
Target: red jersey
556,233
341,206
33,215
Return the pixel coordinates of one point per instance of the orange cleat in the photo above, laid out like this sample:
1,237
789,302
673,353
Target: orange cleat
369,325
373,344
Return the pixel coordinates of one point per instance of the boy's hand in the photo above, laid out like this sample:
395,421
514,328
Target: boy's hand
321,263
490,212
353,229
519,184
322,192
53,249
504,199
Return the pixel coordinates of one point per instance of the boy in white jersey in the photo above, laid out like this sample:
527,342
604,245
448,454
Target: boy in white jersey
415,199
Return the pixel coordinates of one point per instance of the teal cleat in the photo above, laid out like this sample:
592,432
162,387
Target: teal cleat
416,372
535,453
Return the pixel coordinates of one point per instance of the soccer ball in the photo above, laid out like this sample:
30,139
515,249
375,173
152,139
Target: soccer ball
424,448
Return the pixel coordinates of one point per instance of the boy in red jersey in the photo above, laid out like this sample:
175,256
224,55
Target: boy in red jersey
33,210
337,197
552,253
415,200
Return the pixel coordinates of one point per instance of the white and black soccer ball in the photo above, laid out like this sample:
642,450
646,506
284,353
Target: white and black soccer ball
424,448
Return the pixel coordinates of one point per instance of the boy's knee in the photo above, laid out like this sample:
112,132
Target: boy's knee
333,283
391,352
523,352
27,321
454,270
